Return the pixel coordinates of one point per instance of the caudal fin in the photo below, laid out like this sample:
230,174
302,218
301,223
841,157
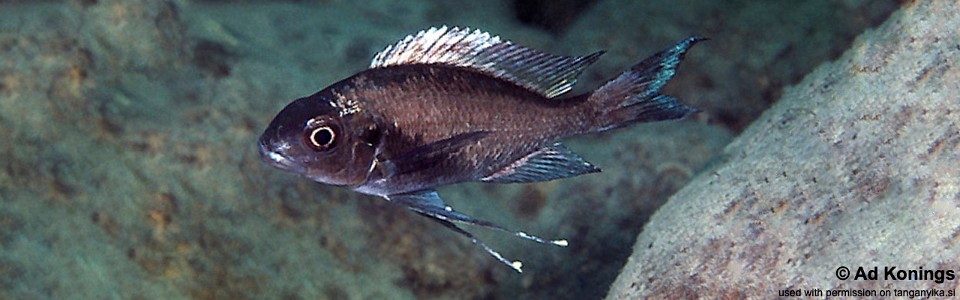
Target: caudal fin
634,96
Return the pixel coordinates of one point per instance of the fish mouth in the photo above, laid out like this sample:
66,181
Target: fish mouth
273,156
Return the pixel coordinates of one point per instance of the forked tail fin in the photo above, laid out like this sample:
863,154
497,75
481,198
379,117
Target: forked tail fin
634,96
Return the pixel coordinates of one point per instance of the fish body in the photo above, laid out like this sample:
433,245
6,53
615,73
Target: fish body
446,106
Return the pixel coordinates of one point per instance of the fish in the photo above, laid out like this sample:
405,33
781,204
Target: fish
452,105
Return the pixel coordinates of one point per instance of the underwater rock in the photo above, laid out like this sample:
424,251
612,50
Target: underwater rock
129,165
855,167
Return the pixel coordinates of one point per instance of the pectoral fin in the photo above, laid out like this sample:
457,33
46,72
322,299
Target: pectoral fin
428,203
424,156
548,163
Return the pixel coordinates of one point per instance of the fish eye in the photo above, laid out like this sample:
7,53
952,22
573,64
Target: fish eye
321,138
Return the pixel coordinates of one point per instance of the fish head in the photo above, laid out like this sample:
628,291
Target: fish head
314,138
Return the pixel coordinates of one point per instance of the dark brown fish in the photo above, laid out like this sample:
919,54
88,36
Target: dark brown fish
453,105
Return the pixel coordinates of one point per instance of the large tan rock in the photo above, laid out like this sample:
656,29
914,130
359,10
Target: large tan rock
857,166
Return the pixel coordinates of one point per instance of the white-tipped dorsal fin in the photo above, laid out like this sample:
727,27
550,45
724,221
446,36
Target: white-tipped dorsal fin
547,74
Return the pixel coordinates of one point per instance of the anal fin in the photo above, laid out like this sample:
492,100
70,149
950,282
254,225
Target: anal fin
429,204
548,163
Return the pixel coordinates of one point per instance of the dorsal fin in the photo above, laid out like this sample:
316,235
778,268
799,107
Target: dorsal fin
546,74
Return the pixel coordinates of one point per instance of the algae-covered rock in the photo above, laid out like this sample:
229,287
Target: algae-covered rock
855,167
129,167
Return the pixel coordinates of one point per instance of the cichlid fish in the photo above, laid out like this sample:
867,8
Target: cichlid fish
451,105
